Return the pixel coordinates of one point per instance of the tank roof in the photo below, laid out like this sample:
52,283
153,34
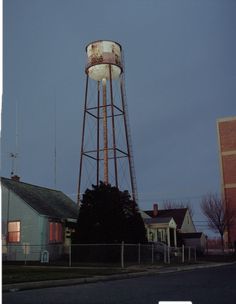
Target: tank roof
102,41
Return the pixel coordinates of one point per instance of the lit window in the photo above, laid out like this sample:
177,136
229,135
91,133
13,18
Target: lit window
55,232
14,232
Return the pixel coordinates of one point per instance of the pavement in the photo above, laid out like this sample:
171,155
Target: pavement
133,272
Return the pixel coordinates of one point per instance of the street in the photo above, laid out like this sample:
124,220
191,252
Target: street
201,286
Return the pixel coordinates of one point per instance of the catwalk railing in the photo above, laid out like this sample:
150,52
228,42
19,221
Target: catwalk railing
121,255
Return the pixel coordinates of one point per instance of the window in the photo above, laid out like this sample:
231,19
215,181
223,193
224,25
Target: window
55,232
14,232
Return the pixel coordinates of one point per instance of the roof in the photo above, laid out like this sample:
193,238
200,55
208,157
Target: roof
48,202
157,220
177,214
192,235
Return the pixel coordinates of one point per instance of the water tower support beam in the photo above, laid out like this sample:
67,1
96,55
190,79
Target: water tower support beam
105,139
113,127
82,142
98,126
127,139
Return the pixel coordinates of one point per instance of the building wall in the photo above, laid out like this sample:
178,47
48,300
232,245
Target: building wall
188,225
34,231
227,151
32,228
198,243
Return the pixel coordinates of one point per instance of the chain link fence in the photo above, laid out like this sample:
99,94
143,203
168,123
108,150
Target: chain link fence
120,255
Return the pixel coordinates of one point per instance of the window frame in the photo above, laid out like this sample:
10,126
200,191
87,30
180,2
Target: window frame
15,231
55,232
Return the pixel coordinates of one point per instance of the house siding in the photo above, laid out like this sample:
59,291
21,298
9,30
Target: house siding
34,207
32,228
188,225
198,243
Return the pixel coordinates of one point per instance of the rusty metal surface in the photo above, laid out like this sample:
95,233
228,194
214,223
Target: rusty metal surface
100,55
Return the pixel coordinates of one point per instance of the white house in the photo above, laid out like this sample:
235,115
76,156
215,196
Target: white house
171,224
161,230
35,220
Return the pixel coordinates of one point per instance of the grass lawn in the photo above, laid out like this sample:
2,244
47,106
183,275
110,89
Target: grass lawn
17,274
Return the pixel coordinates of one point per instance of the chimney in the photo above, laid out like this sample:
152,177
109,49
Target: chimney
155,209
15,178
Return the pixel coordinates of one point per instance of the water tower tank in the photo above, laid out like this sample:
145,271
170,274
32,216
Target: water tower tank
101,54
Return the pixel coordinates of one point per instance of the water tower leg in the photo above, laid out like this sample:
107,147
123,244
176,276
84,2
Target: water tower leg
98,125
113,127
127,139
82,142
105,138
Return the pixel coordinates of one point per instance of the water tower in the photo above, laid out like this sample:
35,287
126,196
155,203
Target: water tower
106,151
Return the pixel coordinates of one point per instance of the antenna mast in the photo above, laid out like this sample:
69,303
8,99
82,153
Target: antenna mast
13,167
55,144
15,155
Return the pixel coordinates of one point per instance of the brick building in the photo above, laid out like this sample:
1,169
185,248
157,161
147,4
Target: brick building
227,148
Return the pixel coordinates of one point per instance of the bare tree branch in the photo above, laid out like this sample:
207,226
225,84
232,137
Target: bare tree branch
218,214
168,204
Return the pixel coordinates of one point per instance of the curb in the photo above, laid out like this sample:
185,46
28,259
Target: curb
57,283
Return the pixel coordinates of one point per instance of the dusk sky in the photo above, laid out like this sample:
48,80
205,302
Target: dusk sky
180,78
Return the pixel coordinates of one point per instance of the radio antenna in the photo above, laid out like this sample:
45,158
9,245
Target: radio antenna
55,143
14,156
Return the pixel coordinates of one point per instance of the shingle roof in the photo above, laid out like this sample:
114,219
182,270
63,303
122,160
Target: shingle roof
157,220
177,214
45,201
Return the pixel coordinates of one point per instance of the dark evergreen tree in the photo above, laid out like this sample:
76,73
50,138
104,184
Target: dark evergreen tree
108,215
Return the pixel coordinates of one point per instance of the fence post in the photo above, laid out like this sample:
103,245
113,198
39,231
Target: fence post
25,253
189,254
164,254
152,253
70,255
182,253
122,254
139,253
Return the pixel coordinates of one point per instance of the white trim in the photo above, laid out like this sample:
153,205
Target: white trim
71,220
226,153
229,186
226,119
